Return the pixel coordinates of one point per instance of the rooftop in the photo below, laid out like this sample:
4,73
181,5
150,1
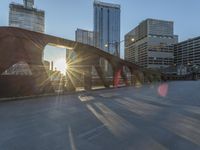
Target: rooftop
189,40
20,6
78,29
96,2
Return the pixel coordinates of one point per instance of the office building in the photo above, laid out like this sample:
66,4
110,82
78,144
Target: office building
46,65
85,37
26,16
147,44
28,3
187,53
107,26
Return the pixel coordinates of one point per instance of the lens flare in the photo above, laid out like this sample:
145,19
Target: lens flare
163,89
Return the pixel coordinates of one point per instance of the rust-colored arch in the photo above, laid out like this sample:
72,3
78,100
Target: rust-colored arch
22,45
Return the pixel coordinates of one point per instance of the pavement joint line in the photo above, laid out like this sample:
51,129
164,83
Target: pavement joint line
82,135
94,136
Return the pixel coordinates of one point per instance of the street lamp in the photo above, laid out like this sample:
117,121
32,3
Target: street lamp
116,45
132,40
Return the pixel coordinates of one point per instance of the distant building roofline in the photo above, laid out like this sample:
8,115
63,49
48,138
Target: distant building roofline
190,39
96,2
84,30
22,6
147,20
158,20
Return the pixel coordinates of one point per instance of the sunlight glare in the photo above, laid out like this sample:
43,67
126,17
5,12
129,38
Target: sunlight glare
61,65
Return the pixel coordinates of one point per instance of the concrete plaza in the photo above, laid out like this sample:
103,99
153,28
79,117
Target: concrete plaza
149,117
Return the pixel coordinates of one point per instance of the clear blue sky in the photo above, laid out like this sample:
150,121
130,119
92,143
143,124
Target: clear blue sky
63,17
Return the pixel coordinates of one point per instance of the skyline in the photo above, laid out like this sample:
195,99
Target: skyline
186,13
66,25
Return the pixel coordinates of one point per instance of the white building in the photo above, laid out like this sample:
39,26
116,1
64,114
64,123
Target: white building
187,52
26,16
150,47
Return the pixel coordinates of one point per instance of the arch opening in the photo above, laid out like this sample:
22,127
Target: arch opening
102,75
127,75
55,64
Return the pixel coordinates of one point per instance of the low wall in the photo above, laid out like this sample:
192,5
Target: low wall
13,86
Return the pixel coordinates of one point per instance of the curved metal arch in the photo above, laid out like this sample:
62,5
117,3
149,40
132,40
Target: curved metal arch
41,40
19,44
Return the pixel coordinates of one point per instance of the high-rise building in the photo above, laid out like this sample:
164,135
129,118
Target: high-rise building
85,37
29,3
46,65
187,52
107,26
147,44
26,16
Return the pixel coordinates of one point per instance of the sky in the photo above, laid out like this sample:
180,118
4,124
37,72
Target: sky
63,17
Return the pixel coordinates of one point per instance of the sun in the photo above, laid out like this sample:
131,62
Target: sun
61,65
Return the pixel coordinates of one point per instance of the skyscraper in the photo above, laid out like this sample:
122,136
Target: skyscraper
107,26
26,16
29,3
150,48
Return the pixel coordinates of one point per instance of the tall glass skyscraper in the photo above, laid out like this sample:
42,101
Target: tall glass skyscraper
107,26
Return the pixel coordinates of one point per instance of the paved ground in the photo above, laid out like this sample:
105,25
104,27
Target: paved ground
144,118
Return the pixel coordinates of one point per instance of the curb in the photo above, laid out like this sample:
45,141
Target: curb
55,94
50,95
32,96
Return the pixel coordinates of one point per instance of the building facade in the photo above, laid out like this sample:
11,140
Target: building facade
85,37
28,3
147,44
107,26
26,16
46,65
187,53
